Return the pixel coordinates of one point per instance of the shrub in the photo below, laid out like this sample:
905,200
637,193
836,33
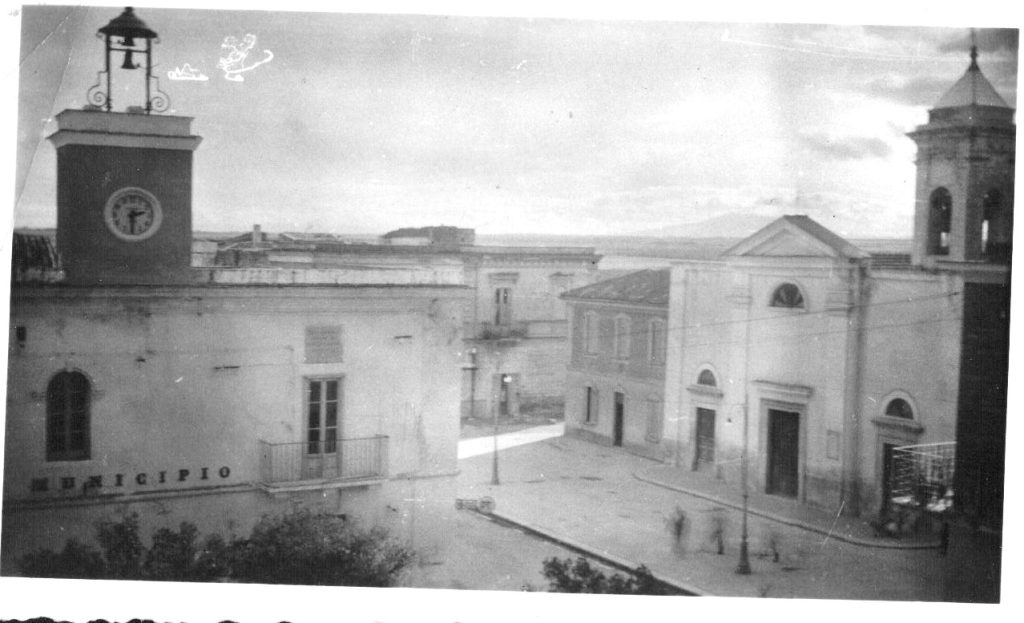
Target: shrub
75,561
215,559
173,554
295,548
306,548
122,547
567,576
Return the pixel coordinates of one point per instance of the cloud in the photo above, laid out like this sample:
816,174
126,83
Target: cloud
917,91
845,147
999,40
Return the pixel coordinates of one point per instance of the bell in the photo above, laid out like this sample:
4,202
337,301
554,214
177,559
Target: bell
128,64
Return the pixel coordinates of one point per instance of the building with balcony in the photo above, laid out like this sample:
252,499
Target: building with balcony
218,403
142,380
515,342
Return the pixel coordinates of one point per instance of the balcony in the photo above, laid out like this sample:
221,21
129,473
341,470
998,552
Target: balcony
327,464
491,331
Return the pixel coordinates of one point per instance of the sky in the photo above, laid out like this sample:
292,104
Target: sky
361,123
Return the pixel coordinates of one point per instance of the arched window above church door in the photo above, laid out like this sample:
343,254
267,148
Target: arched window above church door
788,295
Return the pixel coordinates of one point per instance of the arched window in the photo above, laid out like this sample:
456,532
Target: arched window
993,238
707,377
899,408
787,295
67,417
940,217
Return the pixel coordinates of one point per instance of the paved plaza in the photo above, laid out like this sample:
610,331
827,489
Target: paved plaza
623,508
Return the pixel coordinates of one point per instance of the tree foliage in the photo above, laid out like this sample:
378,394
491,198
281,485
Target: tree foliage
579,576
300,547
308,548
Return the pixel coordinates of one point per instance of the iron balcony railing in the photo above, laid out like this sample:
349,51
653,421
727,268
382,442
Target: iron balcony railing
491,331
331,459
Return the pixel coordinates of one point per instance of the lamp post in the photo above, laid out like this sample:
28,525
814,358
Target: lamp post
743,567
502,387
472,367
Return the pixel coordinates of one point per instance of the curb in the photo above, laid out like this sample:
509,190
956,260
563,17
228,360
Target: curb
789,522
609,559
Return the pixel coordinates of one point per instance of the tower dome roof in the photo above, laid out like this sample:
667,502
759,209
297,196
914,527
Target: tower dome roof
972,88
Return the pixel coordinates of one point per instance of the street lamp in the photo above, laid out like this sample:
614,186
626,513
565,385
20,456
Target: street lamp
472,367
743,568
504,384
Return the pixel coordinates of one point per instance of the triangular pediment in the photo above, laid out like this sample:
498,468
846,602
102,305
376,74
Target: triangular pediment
789,244
795,236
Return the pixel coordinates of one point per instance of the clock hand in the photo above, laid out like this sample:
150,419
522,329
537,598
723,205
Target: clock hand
133,215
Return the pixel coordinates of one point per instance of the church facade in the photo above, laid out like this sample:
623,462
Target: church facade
834,358
839,374
857,383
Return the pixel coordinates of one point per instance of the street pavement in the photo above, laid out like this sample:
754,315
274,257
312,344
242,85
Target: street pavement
488,555
623,508
485,445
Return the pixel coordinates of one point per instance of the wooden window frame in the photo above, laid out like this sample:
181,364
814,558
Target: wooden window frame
323,438
66,420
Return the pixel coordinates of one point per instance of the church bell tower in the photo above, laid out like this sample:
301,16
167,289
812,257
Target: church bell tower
965,169
124,179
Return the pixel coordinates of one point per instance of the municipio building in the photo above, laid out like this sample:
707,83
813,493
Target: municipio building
137,383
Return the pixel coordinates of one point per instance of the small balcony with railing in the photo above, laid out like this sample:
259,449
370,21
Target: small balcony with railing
504,331
323,464
517,330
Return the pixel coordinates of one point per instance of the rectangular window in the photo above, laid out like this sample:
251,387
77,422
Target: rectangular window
322,399
622,337
590,405
323,344
503,306
591,336
657,337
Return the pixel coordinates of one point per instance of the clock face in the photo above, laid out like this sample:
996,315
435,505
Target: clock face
133,214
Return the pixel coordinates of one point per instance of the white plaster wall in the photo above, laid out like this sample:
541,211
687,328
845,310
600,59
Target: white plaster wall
912,350
192,378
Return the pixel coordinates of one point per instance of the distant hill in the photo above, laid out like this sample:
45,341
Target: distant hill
667,246
731,225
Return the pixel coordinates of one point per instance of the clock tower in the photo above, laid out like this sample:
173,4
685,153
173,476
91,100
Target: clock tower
124,179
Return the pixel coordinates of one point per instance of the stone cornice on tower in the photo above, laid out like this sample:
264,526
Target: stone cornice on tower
109,129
